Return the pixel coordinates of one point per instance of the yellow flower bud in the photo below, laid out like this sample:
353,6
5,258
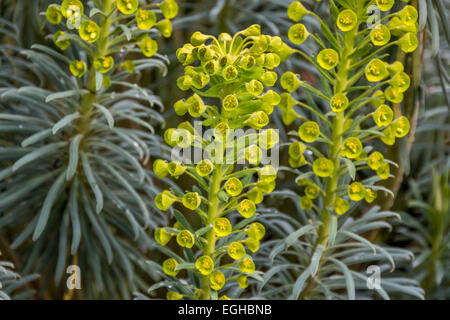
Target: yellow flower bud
253,154
205,265
165,27
269,78
62,44
89,31
198,38
236,251
328,58
309,131
230,103
230,73
383,171
254,87
323,167
376,70
204,168
385,5
401,127
145,19
169,266
185,239
312,191
296,11
347,20
169,9
164,200
339,103
252,31
160,168
351,148
196,106
148,46
296,150
255,195
128,65
370,196
341,206
191,200
78,68
267,173
383,116
298,33
69,8
243,281
258,120
247,266
401,81
127,6
222,227
252,244
290,82
53,14
380,35
246,208
375,160
305,203
104,65
388,136
409,42
356,191
394,95
256,231
175,168
217,280
162,236
408,15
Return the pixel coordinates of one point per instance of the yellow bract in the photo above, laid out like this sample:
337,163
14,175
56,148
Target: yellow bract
351,148
89,31
376,71
247,266
185,239
191,200
236,251
347,20
148,46
298,33
78,68
380,35
169,266
356,191
217,280
341,206
339,103
383,116
222,227
328,58
246,208
205,265
145,19
309,131
127,6
323,167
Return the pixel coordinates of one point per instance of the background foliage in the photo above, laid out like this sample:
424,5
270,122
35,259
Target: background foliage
420,187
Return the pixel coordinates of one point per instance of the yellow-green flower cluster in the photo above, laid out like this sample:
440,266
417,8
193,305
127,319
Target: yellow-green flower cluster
236,74
349,124
116,25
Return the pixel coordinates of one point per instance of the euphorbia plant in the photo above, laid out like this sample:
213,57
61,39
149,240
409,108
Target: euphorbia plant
88,133
336,154
230,78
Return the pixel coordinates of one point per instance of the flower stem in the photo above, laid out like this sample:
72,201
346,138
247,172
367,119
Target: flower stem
211,236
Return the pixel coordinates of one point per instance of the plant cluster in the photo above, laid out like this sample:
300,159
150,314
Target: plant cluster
231,79
81,140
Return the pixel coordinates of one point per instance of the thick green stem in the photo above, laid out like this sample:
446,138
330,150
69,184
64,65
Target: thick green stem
100,51
213,210
337,134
